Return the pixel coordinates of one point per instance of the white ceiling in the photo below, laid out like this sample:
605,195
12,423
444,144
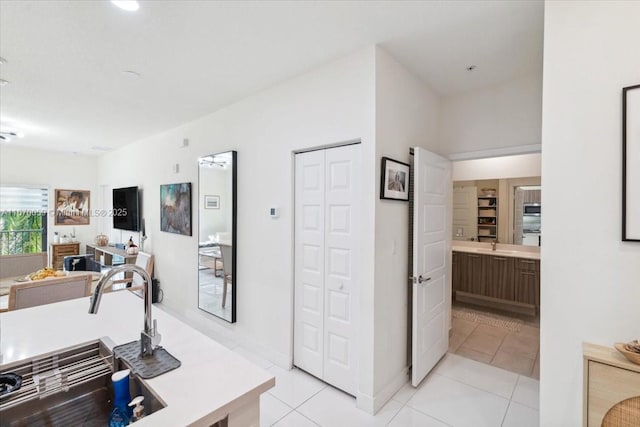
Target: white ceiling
66,58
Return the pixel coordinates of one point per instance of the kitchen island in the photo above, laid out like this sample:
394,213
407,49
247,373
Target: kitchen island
212,382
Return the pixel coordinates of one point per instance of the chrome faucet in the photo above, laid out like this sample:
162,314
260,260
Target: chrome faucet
493,245
149,337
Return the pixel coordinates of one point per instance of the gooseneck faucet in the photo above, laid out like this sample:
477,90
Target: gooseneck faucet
149,337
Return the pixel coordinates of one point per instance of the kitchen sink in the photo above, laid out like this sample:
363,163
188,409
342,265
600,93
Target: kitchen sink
70,387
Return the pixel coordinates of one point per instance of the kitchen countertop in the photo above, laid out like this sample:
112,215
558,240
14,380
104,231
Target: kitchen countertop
212,381
502,249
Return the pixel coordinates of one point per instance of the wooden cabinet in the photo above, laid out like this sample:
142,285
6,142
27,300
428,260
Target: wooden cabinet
502,282
61,250
456,270
527,283
609,382
467,272
475,276
110,255
500,277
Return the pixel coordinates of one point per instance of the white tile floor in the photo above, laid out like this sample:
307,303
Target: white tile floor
459,392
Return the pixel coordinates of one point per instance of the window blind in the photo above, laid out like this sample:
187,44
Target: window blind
24,199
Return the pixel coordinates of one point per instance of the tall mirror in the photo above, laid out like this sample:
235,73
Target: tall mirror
217,198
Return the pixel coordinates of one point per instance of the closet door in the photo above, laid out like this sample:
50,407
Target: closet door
342,199
327,201
309,262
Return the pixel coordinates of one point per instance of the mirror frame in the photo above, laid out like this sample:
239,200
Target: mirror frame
234,234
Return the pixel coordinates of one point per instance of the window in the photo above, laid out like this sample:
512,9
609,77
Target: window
23,220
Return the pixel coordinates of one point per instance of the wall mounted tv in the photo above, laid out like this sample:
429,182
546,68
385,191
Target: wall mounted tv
126,209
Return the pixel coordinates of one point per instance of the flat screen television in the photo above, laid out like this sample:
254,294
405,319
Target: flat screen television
126,209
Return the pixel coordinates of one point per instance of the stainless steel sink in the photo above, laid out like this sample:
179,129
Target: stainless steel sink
70,387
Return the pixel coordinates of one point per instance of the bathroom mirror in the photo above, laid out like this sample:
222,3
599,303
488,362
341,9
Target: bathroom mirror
507,210
217,200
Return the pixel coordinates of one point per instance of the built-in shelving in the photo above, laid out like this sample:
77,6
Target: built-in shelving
487,218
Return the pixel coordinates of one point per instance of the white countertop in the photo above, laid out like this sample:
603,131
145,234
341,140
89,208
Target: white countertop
211,382
515,251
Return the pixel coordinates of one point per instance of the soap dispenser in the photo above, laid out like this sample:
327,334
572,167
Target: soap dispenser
138,408
121,413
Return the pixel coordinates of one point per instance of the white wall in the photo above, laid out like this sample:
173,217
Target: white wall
522,165
331,104
21,166
406,116
590,278
508,115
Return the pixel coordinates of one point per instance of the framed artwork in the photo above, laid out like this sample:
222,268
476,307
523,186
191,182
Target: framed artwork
211,202
175,208
72,207
394,182
631,163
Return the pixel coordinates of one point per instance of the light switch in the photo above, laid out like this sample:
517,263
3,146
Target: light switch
274,213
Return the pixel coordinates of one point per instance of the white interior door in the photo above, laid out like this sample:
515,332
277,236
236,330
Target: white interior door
341,238
431,305
309,262
327,202
465,213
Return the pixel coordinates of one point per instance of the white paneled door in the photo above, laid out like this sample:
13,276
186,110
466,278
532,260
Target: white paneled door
431,305
327,200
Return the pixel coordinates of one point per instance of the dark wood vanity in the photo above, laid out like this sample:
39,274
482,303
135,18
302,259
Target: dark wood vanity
503,282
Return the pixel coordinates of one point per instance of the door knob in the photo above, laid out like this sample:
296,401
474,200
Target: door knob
341,287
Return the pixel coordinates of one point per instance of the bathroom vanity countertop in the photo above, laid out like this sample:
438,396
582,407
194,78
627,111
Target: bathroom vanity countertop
515,251
211,382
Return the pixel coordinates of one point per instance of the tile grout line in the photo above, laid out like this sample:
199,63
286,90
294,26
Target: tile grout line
504,417
398,411
280,419
428,415
473,386
498,349
524,404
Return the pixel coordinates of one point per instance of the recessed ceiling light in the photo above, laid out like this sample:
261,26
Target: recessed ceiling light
3,82
132,74
6,136
471,68
129,5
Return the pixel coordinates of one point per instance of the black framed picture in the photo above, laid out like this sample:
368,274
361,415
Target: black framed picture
175,208
631,163
394,183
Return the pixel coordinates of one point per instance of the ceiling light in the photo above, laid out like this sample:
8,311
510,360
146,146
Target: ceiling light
3,82
129,5
6,136
132,74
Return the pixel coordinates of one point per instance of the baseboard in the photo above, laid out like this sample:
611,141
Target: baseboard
281,360
500,304
372,404
228,335
365,403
